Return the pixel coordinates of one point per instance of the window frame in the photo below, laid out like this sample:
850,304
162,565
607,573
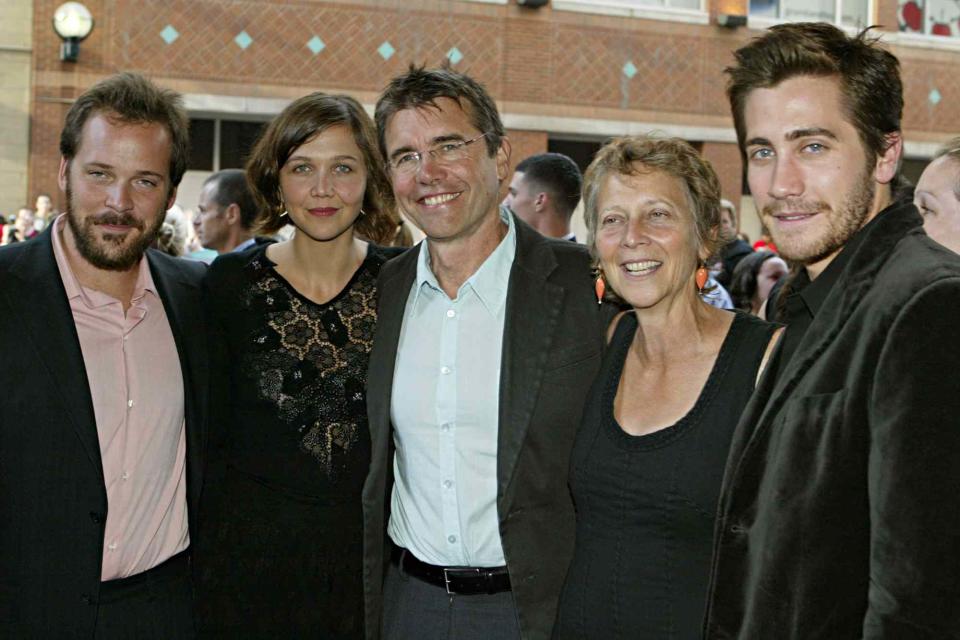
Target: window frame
635,9
924,40
764,22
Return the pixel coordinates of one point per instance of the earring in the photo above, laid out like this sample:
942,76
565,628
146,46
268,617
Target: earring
600,286
701,278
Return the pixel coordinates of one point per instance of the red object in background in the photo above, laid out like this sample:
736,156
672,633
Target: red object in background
940,29
913,16
760,245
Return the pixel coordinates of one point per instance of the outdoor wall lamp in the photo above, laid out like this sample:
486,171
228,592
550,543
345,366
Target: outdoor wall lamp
72,22
732,13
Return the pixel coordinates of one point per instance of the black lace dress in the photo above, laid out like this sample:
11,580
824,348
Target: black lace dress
279,549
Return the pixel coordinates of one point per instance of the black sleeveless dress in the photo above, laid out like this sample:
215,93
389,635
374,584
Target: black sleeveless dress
646,504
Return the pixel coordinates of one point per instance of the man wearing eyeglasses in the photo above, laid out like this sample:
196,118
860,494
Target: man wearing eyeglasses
488,337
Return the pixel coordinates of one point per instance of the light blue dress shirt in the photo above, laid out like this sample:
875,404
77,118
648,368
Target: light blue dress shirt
445,404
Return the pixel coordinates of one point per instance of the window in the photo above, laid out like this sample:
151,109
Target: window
681,10
846,13
930,17
217,144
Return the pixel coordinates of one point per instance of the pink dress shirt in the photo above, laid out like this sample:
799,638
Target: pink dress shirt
138,400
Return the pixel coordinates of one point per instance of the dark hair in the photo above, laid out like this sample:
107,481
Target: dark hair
303,119
131,98
743,282
230,187
869,76
558,175
421,87
951,149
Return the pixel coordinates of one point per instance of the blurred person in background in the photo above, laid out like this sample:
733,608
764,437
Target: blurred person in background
173,235
937,196
734,248
544,191
227,212
754,278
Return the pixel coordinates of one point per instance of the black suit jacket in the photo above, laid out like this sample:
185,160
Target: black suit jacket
838,515
552,344
52,493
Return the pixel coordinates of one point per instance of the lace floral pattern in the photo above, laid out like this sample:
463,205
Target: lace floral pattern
309,360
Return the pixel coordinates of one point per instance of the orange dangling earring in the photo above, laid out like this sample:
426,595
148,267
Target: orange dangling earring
600,286
701,278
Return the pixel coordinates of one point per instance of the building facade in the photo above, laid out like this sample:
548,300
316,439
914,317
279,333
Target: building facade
566,76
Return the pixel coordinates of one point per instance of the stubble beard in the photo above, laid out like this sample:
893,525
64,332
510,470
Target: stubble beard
108,251
842,223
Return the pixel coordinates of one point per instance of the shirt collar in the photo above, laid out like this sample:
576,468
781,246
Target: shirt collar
489,282
91,297
246,244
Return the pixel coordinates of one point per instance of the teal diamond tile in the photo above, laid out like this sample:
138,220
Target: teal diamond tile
454,55
630,69
934,97
169,34
386,50
243,40
316,45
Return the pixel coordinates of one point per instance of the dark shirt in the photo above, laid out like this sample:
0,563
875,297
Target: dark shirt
731,255
805,297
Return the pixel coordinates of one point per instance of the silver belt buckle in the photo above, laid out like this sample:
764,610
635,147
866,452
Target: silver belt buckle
446,580
446,577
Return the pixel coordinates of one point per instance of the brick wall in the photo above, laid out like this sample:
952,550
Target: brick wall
548,62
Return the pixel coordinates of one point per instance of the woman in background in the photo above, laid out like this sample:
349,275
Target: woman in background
753,278
649,457
280,529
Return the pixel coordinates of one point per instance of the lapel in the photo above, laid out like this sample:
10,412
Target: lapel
36,292
853,285
183,305
531,316
393,290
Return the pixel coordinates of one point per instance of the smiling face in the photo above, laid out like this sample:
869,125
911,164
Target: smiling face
808,171
448,201
323,183
646,238
938,200
118,190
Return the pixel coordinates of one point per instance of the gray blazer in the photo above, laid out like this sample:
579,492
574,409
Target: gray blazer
552,344
51,478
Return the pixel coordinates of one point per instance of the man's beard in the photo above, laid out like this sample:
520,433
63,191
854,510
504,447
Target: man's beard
98,251
842,223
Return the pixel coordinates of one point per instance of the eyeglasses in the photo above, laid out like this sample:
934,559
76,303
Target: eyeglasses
443,153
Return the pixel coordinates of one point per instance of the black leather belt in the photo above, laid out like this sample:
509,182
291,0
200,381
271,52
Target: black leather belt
465,581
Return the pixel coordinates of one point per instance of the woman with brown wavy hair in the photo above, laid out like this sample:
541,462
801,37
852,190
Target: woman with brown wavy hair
279,553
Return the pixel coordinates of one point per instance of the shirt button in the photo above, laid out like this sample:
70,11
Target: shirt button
447,484
129,403
738,529
445,426
451,313
444,370
112,546
125,476
451,539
